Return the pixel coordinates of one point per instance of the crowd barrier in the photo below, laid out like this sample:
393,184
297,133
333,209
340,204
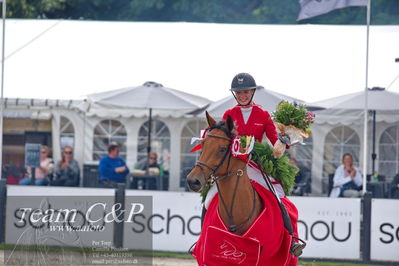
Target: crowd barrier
364,229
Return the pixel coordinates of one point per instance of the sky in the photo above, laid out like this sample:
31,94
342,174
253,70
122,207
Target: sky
59,59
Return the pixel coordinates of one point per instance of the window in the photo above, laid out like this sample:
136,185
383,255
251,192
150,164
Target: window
67,133
105,132
187,158
160,143
338,141
389,152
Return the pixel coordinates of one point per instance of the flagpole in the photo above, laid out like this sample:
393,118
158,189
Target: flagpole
2,86
365,157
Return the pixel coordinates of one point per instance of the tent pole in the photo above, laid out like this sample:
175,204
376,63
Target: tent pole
149,136
366,100
2,87
373,155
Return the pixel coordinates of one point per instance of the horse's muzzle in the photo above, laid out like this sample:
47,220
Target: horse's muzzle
193,181
195,185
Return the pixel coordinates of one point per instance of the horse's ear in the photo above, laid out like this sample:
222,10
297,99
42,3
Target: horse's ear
211,121
229,123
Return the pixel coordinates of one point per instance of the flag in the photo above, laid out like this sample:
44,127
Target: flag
313,8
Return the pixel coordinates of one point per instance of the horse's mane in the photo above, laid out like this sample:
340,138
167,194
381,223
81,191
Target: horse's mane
222,126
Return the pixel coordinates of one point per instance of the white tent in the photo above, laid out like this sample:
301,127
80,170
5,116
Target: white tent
378,99
380,102
136,101
64,59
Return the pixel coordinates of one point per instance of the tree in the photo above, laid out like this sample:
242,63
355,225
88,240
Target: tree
216,11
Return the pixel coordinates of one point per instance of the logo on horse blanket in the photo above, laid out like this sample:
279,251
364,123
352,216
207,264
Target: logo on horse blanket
225,248
266,242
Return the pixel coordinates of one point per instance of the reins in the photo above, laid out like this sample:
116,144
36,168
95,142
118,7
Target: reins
213,178
296,247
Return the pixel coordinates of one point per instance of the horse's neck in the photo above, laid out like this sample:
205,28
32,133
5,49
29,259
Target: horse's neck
238,198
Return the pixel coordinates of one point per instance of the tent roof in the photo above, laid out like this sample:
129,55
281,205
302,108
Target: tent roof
149,95
377,99
266,98
353,117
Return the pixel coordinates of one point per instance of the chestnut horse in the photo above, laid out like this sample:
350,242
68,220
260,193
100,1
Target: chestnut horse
243,223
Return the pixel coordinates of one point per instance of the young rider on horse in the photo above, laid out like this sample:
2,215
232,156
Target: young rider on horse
251,120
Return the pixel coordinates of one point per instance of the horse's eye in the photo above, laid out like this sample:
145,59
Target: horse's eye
222,149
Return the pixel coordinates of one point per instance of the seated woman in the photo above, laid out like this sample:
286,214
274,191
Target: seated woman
151,168
154,168
67,172
347,179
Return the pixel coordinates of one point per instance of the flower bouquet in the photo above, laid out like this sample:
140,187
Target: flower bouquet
278,167
293,124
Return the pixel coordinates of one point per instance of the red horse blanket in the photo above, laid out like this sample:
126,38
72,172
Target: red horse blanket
266,242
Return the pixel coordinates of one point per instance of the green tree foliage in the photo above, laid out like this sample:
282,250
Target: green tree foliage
216,11
34,9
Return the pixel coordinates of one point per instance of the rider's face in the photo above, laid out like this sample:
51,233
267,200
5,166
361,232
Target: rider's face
243,97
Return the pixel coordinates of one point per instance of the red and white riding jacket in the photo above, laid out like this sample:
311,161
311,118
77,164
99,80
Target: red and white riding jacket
258,123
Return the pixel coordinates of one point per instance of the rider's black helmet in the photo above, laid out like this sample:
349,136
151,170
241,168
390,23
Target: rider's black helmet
242,82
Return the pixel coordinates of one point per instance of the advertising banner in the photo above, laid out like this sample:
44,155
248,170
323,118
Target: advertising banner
41,219
32,155
175,223
171,221
384,230
331,227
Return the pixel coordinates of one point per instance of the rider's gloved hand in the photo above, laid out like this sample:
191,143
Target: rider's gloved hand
285,140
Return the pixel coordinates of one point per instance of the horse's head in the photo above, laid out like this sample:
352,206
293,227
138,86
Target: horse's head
215,154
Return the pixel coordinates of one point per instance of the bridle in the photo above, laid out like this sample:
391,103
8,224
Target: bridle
213,177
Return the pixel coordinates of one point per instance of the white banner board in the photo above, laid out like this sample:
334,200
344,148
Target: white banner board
384,230
175,222
171,220
57,216
331,227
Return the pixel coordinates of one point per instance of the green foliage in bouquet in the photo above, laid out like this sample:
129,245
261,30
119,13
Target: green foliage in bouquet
281,169
204,192
293,114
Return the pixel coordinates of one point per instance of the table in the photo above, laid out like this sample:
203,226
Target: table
146,179
379,190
